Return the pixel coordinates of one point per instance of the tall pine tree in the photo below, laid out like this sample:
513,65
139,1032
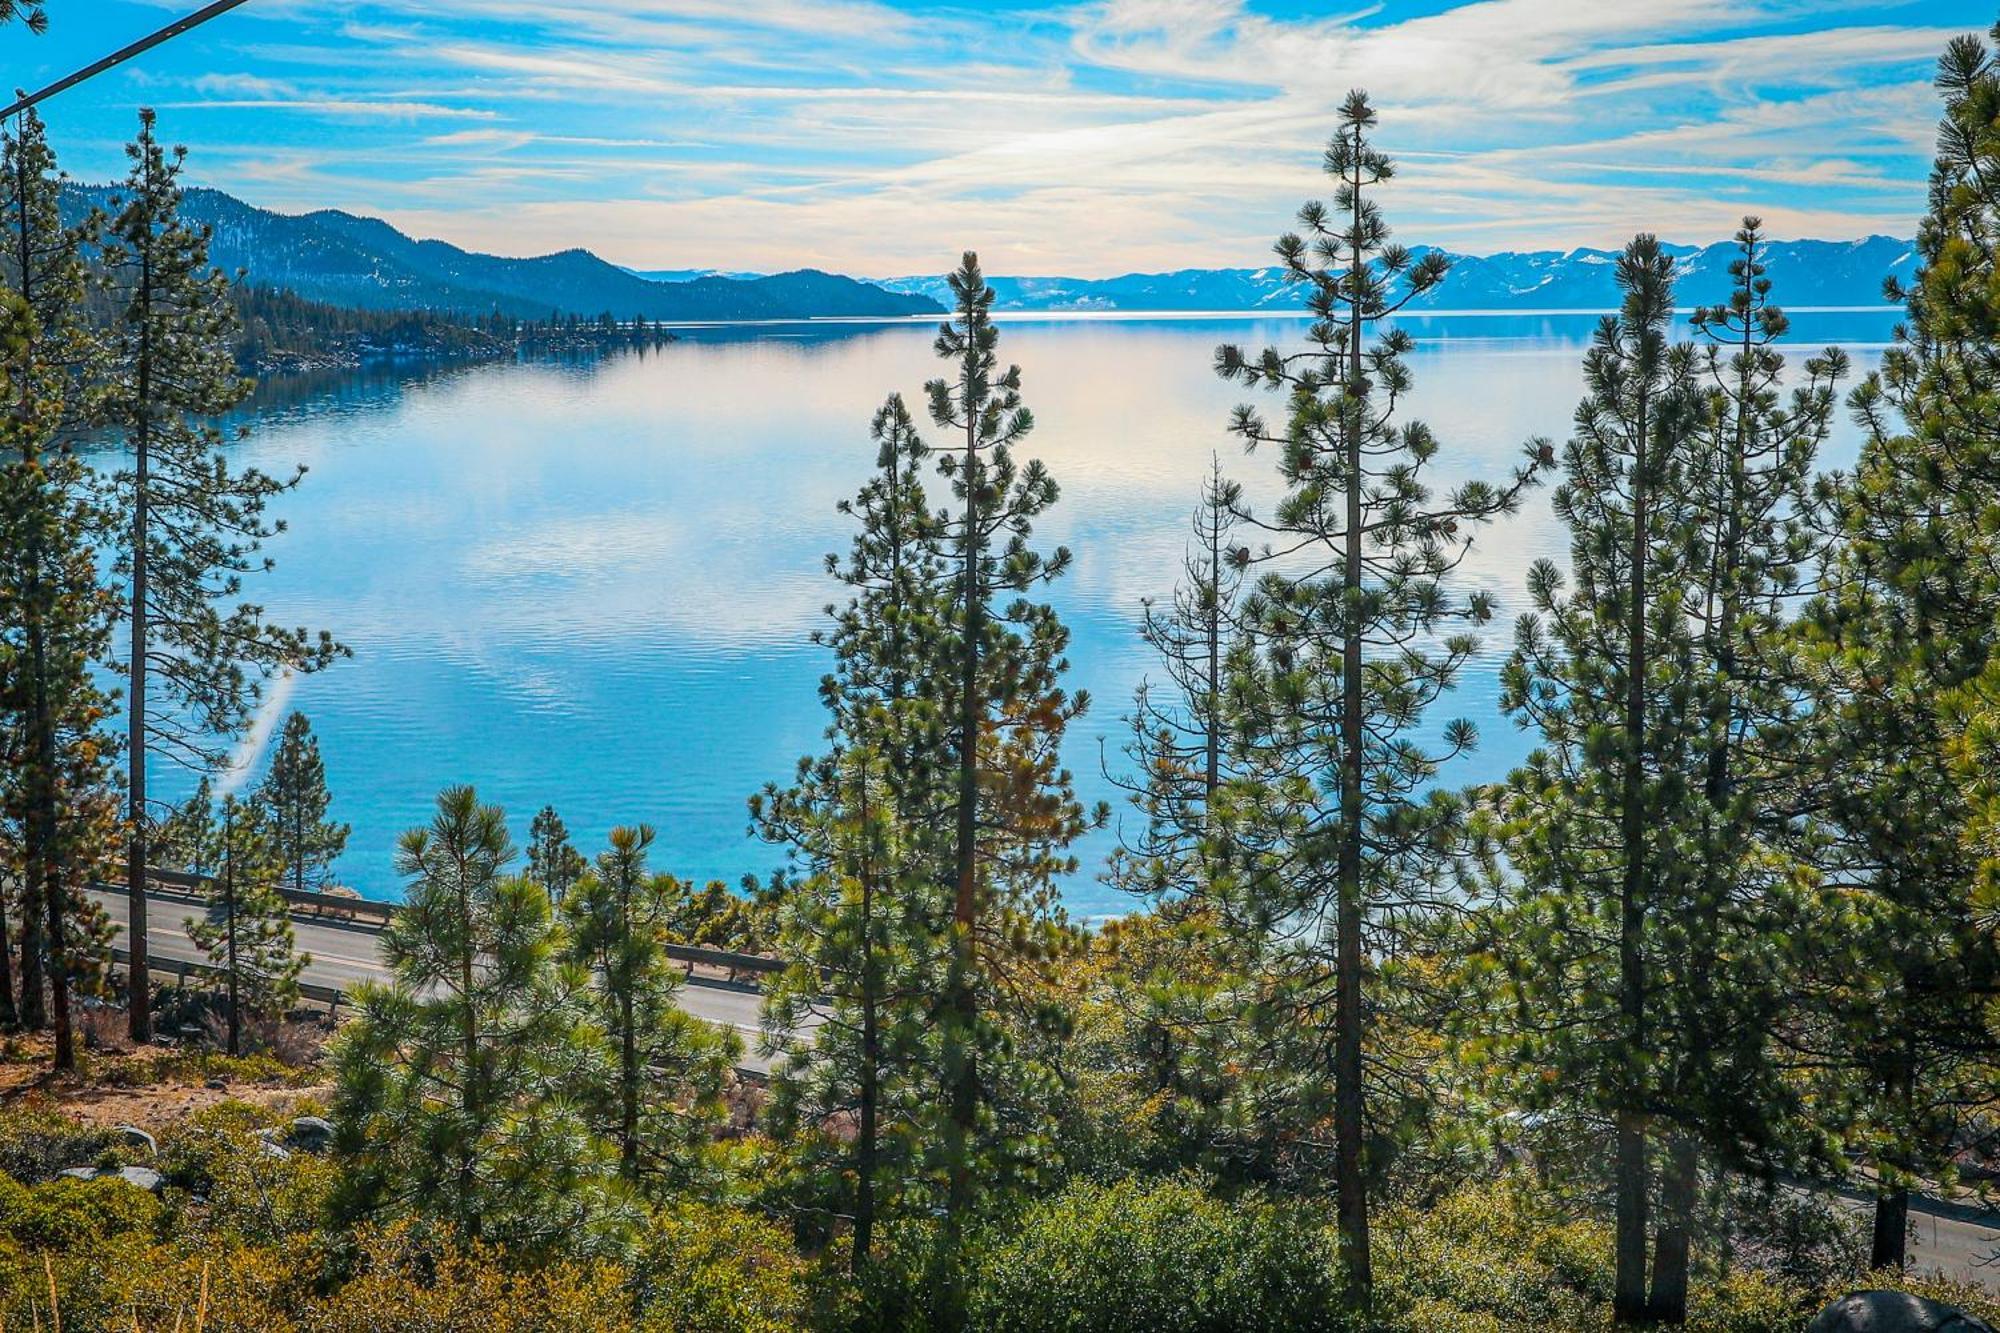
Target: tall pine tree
57,614
194,523
1014,813
1903,640
1350,640
865,914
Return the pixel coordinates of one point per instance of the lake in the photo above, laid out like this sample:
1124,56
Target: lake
592,585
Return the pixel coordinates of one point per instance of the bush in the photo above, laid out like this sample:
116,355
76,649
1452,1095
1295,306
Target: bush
248,1192
37,1141
1492,1256
714,1269
1140,1257
71,1214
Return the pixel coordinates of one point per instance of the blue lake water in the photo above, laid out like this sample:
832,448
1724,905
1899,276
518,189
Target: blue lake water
593,585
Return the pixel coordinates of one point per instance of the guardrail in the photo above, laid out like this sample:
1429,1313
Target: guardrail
304,901
377,914
180,969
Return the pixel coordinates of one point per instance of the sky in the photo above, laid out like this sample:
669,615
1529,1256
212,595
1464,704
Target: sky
880,138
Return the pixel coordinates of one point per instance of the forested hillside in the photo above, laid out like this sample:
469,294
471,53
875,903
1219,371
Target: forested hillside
365,263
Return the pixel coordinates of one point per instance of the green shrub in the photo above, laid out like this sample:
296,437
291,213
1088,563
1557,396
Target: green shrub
1492,1252
37,1141
72,1214
714,1269
1139,1257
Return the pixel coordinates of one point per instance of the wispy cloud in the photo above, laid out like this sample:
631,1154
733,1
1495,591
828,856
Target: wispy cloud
881,137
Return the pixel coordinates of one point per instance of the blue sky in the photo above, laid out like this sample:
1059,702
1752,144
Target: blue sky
881,138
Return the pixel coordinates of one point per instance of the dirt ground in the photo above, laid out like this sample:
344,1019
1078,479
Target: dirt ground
142,1088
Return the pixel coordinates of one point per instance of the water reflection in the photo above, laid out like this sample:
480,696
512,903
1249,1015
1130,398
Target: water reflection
592,583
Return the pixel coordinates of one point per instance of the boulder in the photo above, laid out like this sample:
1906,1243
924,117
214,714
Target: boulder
138,1138
309,1133
1893,1312
144,1177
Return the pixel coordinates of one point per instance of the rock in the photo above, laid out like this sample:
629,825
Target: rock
309,1133
274,1150
138,1138
1893,1312
144,1177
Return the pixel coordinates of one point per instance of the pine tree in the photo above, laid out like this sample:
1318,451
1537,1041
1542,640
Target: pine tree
864,921
1903,638
293,801
247,932
1015,812
665,1100
1329,824
54,604
32,16
1737,949
1179,739
1606,829
194,523
462,1087
552,862
188,839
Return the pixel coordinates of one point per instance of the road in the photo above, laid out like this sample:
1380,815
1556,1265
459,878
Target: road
344,954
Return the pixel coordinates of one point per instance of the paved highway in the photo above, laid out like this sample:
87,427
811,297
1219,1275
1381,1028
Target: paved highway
344,954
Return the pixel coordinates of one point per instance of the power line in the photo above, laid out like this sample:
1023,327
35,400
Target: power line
123,54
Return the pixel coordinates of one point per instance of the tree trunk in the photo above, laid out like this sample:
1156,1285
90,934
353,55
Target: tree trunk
1889,1245
229,925
1675,1241
1349,1109
139,982
1629,1299
38,850
961,1059
871,1055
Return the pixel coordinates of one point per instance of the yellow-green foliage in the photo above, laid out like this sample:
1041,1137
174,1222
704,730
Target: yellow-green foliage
1156,1257
249,1192
36,1141
708,1269
1489,1253
411,1280
72,1214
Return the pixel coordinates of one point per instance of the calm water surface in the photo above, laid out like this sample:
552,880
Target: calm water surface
593,585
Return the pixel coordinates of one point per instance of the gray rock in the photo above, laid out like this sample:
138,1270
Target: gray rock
1893,1312
138,1138
273,1149
144,1177
309,1133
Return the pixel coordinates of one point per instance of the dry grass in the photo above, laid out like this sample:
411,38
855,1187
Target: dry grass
149,1087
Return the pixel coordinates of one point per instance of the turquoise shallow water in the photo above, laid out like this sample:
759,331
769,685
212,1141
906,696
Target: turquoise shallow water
593,585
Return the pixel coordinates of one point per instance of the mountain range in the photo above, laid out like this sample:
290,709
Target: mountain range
366,263
1803,273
